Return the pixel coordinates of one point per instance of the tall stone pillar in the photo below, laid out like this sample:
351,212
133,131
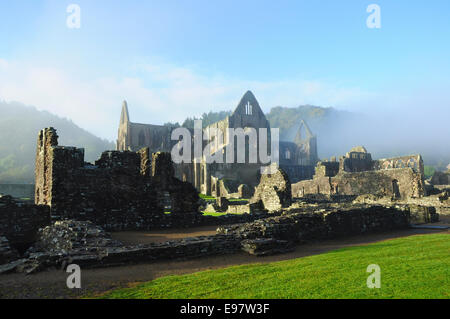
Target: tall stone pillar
47,139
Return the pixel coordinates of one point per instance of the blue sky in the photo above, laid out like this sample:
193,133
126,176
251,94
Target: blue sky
172,59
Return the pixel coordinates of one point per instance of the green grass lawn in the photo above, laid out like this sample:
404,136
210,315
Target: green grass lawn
216,214
206,197
212,198
411,267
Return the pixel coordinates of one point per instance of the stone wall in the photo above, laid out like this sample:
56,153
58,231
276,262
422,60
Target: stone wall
7,253
122,191
397,183
326,169
274,190
230,188
298,172
441,178
357,174
414,162
239,208
422,214
357,160
298,225
233,207
88,245
439,204
20,221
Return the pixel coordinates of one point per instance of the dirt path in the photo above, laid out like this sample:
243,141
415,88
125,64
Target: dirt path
52,284
147,237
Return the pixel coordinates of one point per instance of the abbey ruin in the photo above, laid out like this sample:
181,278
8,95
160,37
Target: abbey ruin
357,174
257,208
296,158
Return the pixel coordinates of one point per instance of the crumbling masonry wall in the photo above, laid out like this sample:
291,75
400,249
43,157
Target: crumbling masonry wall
274,190
88,245
20,221
441,178
358,174
122,191
398,183
299,226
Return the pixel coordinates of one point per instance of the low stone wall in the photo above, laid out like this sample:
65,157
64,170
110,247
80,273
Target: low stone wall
274,190
20,221
239,209
223,205
181,249
444,210
299,226
7,253
440,203
422,214
399,182
441,178
88,245
266,246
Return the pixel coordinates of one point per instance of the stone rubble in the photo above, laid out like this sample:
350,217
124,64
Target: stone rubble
299,226
274,190
266,246
20,221
78,201
69,235
88,245
7,254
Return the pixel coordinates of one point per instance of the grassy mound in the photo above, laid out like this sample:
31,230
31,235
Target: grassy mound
411,267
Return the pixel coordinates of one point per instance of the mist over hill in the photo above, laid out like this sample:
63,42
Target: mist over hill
337,132
384,134
19,127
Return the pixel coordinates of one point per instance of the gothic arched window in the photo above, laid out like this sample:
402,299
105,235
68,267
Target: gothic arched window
248,109
141,138
287,154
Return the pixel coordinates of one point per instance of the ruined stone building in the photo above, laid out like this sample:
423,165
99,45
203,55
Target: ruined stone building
221,178
134,136
441,178
357,174
122,190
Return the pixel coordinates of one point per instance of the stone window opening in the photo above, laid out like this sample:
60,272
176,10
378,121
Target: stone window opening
141,138
395,189
248,109
287,154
